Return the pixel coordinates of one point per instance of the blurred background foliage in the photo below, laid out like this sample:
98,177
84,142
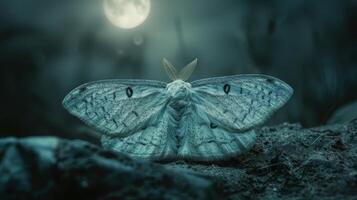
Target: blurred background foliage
48,47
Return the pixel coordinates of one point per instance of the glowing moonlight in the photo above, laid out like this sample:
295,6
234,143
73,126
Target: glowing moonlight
127,13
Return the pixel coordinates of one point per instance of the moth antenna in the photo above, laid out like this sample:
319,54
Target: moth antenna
187,71
170,69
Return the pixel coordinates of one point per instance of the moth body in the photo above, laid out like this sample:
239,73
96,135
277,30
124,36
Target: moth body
179,93
179,89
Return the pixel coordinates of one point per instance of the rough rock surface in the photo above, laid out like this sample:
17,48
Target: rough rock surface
287,162
52,168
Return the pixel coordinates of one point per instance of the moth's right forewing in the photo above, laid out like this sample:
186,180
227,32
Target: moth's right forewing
117,107
240,102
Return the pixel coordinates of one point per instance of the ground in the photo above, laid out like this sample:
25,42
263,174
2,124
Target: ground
290,162
287,162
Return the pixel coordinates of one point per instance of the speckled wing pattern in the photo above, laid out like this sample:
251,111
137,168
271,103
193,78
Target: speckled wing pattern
205,141
129,113
240,102
218,122
224,112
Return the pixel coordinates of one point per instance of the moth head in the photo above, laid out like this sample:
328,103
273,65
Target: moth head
184,73
179,89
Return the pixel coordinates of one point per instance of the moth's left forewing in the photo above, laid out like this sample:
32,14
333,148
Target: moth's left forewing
117,107
240,102
131,114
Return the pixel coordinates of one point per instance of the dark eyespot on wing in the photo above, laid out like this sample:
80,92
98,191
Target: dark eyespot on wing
213,126
226,88
82,89
135,113
270,80
129,92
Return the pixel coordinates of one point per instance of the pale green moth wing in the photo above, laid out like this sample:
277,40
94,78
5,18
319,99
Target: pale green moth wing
152,143
126,111
205,141
241,102
224,112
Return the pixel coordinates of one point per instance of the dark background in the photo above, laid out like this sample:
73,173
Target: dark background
48,47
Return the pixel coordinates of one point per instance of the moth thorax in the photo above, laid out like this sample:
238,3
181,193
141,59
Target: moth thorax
179,89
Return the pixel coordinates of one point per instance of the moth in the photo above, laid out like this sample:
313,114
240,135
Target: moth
205,120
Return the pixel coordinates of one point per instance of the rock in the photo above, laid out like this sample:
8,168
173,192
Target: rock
290,162
287,162
53,168
27,168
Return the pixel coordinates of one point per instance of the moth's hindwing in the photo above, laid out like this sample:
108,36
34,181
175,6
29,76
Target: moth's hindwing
206,141
151,143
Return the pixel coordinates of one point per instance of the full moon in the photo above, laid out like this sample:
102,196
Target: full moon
127,13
